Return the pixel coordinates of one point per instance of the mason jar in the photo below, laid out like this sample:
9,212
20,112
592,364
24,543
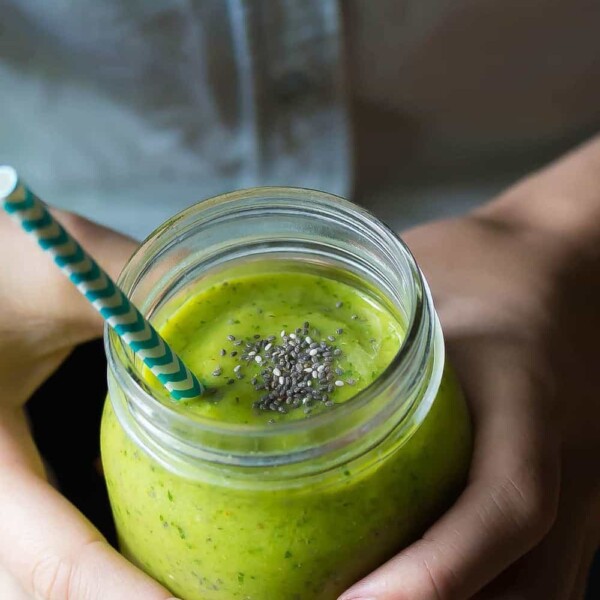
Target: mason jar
301,510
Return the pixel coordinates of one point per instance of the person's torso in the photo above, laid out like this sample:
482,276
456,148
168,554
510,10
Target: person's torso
111,105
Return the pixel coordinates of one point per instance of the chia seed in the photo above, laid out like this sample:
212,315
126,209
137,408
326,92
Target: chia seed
289,367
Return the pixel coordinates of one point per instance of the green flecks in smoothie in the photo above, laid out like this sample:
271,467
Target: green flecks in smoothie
215,537
279,346
336,529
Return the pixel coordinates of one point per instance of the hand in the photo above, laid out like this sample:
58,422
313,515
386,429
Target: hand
51,549
519,308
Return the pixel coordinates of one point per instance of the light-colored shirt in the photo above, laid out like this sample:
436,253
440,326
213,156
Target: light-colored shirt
127,112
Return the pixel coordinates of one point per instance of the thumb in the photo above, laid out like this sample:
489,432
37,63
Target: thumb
509,504
57,555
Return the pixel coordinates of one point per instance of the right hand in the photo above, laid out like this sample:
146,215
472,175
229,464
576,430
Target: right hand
51,549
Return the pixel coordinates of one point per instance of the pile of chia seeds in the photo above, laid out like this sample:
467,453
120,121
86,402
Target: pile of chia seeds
297,370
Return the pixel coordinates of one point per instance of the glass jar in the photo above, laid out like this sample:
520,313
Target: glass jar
222,511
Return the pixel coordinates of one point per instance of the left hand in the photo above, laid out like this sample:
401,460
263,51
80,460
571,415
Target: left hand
520,312
49,548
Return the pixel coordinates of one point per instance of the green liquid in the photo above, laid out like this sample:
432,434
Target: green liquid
267,304
216,540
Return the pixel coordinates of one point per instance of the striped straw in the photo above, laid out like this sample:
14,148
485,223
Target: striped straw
116,309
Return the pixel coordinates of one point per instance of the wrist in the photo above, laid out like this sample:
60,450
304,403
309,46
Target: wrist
557,238
560,203
558,263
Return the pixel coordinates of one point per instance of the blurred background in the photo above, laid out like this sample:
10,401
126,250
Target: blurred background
129,111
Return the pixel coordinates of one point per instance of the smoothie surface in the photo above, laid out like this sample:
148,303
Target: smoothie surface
218,327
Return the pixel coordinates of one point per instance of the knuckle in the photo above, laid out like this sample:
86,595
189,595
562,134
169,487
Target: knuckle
56,577
50,578
439,582
435,579
528,503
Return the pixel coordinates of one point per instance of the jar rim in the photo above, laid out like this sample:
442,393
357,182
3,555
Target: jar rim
287,197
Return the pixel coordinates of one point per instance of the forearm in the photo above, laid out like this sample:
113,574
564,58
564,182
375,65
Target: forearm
561,200
550,223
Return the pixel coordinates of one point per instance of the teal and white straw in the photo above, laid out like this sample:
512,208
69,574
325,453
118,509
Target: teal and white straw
96,285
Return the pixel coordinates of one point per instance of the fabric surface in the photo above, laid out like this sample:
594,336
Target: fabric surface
129,111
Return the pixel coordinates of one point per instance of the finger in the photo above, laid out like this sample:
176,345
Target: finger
9,588
556,568
506,508
41,297
55,553
110,249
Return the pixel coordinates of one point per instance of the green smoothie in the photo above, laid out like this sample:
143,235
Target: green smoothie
275,347
224,330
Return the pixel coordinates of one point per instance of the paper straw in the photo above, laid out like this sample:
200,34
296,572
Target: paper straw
96,285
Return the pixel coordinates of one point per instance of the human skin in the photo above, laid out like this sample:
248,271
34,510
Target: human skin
516,286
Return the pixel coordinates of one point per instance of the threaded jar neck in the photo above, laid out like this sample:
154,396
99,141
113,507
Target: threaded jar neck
289,224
